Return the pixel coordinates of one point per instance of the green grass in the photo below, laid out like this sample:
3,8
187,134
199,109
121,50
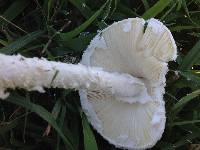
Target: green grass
61,30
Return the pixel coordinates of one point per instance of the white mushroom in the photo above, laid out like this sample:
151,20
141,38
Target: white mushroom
129,48
121,80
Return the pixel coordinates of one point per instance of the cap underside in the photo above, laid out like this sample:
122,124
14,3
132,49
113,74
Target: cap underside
125,47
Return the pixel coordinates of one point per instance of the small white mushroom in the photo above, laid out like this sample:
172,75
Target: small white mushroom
120,80
142,54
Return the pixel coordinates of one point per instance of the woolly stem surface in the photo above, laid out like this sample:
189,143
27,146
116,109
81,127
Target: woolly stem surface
34,74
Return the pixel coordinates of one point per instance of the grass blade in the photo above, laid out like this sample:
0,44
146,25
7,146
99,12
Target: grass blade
168,11
72,43
185,122
13,11
191,58
61,120
43,113
126,10
7,126
156,9
185,139
75,32
21,42
191,75
146,4
107,10
56,109
83,8
183,101
50,8
2,42
180,28
89,139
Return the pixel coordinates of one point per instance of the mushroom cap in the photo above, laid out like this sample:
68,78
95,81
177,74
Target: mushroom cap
127,47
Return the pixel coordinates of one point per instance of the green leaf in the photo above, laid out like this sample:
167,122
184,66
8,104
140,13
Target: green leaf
185,122
61,120
179,5
4,43
180,28
114,6
83,8
191,75
56,109
89,139
126,10
183,101
191,58
76,31
21,42
82,40
156,9
50,8
13,11
43,113
107,10
146,4
184,5
168,11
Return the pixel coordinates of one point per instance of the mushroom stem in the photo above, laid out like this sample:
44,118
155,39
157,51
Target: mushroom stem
34,74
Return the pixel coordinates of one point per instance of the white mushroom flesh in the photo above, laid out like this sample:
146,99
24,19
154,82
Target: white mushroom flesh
36,74
143,55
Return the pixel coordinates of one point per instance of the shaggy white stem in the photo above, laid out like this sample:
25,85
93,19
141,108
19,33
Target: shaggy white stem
36,74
